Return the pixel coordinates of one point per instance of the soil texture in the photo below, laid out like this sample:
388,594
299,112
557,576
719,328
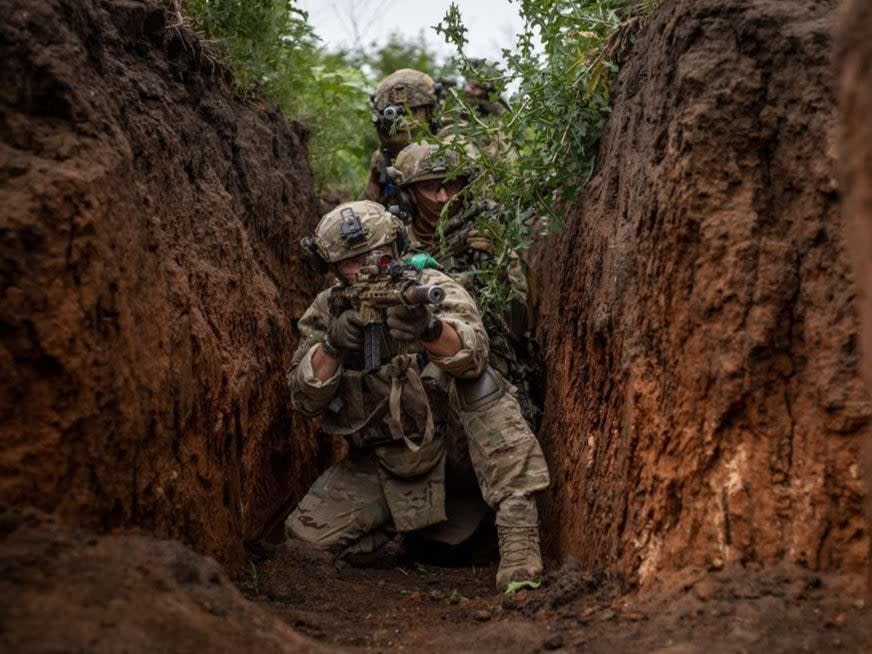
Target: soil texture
149,279
855,164
135,593
65,590
704,403
422,607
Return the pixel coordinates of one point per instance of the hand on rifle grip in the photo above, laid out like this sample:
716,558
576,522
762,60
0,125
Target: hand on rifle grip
413,323
346,332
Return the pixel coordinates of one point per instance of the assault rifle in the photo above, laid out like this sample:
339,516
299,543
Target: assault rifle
455,233
382,282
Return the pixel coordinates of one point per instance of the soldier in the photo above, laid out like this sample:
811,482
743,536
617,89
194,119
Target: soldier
405,109
432,387
481,92
434,179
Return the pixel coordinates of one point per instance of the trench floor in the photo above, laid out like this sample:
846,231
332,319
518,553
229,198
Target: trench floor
402,603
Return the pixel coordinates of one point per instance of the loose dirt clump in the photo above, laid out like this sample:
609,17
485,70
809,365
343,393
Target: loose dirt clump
64,590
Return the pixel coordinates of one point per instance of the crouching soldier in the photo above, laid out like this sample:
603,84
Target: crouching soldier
443,223
395,359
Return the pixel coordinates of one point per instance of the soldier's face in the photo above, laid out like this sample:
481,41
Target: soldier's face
439,190
349,268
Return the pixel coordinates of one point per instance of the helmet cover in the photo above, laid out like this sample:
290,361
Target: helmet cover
354,228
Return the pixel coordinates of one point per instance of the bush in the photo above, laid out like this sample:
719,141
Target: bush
272,50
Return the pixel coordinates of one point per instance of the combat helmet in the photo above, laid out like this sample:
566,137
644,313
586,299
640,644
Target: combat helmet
353,228
421,161
406,87
482,88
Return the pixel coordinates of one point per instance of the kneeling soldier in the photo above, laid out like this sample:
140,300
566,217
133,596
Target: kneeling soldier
395,360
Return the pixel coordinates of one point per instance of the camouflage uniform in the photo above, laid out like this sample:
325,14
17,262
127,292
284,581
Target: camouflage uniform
460,251
400,421
406,90
480,90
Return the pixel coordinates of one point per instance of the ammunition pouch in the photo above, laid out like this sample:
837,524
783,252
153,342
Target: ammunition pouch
478,393
372,436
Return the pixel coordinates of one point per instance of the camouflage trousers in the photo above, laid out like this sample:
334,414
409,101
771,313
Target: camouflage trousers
346,510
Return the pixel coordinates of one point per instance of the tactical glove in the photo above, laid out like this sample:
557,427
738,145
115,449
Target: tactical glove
345,334
413,323
475,240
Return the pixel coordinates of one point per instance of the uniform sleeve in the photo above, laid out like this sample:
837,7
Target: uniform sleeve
311,395
459,310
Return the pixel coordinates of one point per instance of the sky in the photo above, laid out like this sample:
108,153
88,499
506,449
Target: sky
492,24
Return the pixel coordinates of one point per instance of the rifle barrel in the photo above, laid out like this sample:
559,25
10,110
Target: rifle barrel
425,295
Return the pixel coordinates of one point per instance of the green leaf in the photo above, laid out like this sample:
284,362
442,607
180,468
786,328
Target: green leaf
529,584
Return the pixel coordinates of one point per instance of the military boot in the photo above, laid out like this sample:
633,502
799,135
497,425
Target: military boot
518,532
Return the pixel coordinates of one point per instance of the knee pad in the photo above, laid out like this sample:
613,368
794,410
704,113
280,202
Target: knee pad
475,394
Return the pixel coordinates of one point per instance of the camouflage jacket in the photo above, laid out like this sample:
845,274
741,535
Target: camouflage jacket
356,404
461,252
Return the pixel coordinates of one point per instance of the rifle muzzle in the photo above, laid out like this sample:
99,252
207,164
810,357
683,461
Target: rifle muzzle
425,295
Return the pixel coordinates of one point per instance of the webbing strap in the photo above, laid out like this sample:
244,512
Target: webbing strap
399,371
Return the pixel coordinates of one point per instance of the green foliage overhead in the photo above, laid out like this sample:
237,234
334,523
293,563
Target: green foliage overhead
538,155
273,51
562,66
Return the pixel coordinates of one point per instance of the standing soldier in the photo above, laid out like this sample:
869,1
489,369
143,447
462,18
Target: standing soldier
443,224
403,402
405,109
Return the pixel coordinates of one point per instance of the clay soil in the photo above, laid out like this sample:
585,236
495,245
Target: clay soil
135,593
402,604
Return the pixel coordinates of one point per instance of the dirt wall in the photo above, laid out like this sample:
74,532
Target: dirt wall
704,403
150,279
126,593
855,164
